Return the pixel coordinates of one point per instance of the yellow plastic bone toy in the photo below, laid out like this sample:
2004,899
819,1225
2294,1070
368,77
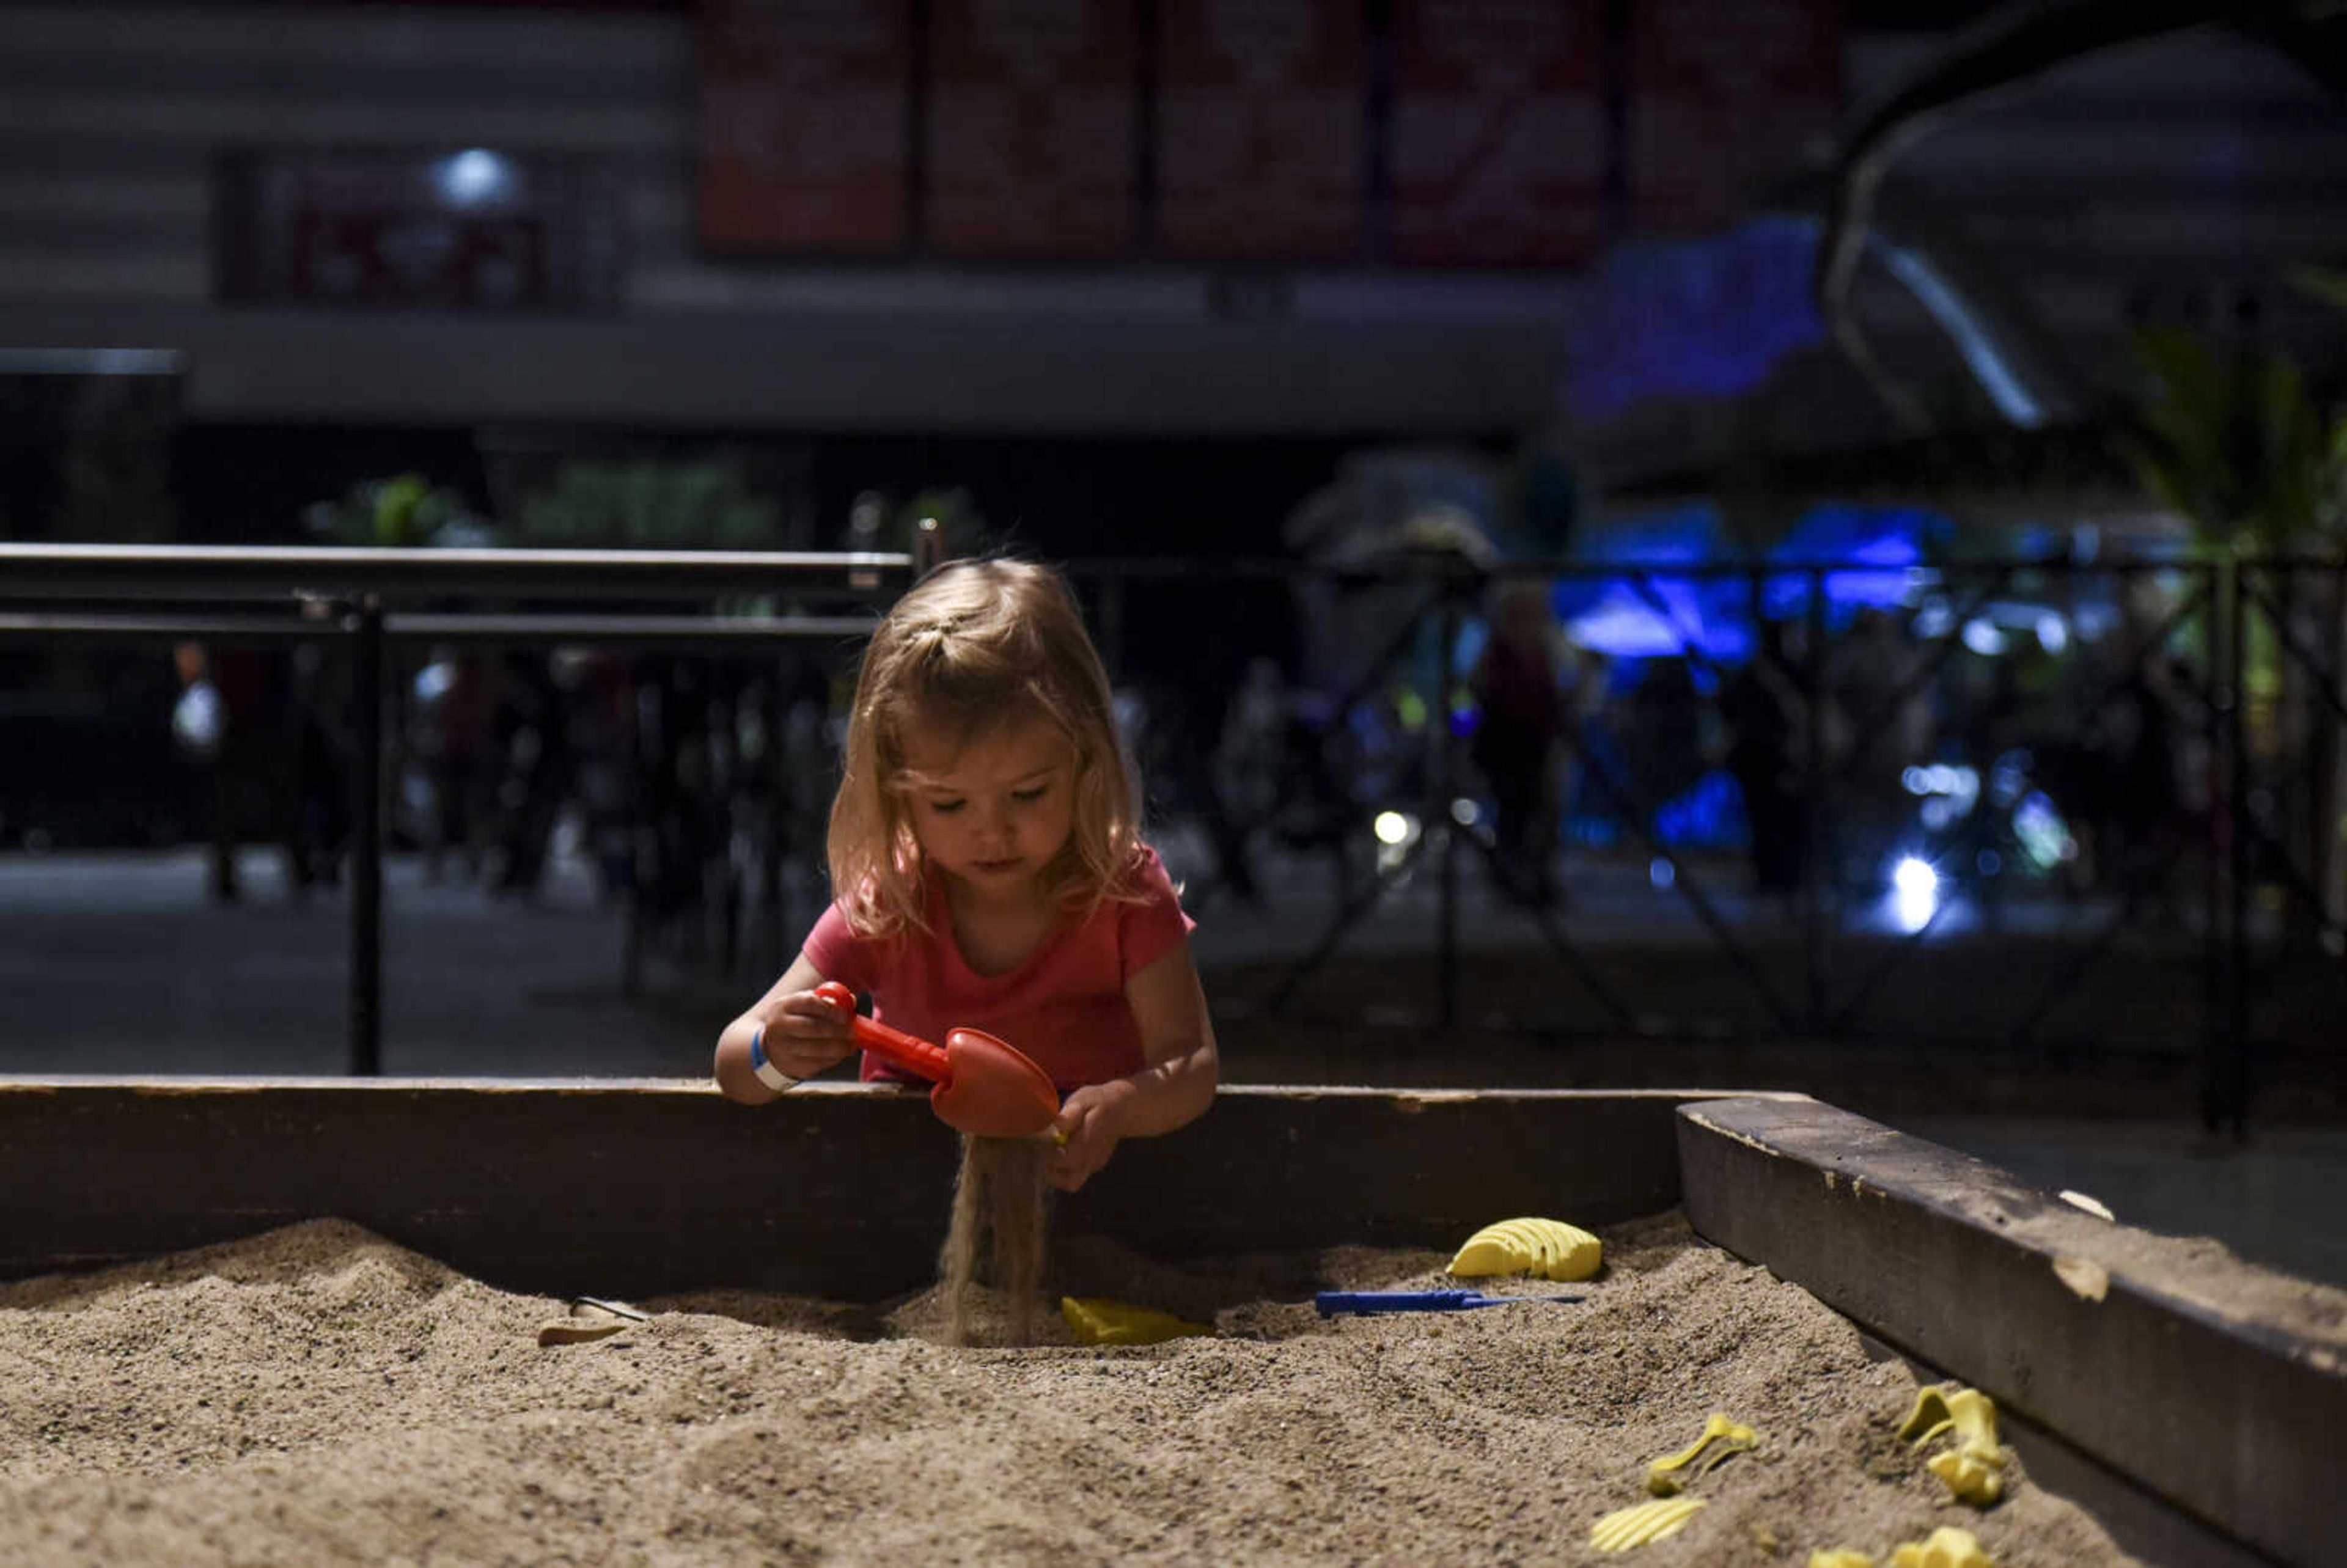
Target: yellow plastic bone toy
1732,1438
1974,1469
1946,1547
1642,1522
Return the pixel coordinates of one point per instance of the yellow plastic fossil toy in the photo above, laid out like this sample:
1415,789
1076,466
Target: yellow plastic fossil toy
1097,1320
1642,1522
1548,1248
1947,1547
1974,1469
1733,1438
1667,1513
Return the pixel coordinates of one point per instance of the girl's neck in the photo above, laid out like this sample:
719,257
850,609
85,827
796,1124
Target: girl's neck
962,897
997,932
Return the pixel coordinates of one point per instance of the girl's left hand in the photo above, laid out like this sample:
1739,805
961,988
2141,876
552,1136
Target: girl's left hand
1087,1130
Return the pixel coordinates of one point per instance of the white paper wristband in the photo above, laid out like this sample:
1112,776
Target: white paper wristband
773,1077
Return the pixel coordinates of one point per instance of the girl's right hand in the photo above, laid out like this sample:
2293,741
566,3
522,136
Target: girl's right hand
807,1034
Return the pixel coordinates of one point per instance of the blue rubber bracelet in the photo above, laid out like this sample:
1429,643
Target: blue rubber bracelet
770,1075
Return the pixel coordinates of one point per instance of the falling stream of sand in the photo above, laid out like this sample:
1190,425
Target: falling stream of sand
999,1194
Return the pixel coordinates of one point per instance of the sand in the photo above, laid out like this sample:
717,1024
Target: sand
1001,1210
317,1393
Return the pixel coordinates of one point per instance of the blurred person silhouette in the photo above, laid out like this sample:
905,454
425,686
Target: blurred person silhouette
451,739
320,789
531,726
228,720
2138,809
1889,725
601,733
1663,735
1762,710
1247,772
1519,742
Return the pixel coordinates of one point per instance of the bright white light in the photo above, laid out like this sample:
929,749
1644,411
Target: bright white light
474,176
2053,632
1983,639
1394,827
199,719
1915,893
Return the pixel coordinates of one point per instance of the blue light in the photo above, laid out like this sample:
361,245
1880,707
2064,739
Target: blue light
1700,318
1705,814
1654,614
476,177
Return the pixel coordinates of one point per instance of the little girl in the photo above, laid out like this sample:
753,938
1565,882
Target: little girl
987,872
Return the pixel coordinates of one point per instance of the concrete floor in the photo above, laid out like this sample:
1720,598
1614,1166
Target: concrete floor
117,964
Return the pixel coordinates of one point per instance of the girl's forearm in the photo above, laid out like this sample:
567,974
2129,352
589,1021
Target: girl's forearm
732,1067
1172,1093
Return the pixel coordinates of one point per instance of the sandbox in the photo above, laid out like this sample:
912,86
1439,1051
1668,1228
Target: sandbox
351,1368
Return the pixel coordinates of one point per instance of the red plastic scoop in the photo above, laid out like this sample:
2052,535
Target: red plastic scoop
984,1087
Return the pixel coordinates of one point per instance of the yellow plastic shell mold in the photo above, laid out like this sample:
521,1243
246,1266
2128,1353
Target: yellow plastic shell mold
1642,1522
1732,1436
1096,1321
1973,1479
1947,1547
1548,1248
1974,1469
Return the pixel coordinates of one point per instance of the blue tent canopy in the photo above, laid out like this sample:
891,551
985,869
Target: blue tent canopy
1653,613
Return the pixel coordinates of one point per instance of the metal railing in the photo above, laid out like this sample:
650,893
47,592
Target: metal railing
2261,825
366,601
2189,654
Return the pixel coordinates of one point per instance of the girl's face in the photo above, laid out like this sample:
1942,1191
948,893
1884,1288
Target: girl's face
993,814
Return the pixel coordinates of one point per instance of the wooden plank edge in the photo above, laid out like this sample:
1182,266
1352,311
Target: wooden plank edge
642,1188
2167,1359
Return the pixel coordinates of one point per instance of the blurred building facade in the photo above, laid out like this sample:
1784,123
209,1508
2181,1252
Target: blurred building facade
2181,177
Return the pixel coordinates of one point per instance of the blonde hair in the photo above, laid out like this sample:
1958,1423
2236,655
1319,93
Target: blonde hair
976,647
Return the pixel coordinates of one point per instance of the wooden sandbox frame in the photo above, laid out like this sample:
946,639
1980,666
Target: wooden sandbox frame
2201,1426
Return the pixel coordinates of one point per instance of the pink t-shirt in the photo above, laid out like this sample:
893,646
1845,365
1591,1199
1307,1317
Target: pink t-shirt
1064,1006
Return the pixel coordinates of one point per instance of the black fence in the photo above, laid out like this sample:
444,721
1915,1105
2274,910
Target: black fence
362,602
2010,807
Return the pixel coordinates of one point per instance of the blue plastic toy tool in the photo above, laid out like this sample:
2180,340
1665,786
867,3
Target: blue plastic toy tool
1330,1303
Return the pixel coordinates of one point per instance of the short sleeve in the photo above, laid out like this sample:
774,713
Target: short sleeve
839,954
1148,930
